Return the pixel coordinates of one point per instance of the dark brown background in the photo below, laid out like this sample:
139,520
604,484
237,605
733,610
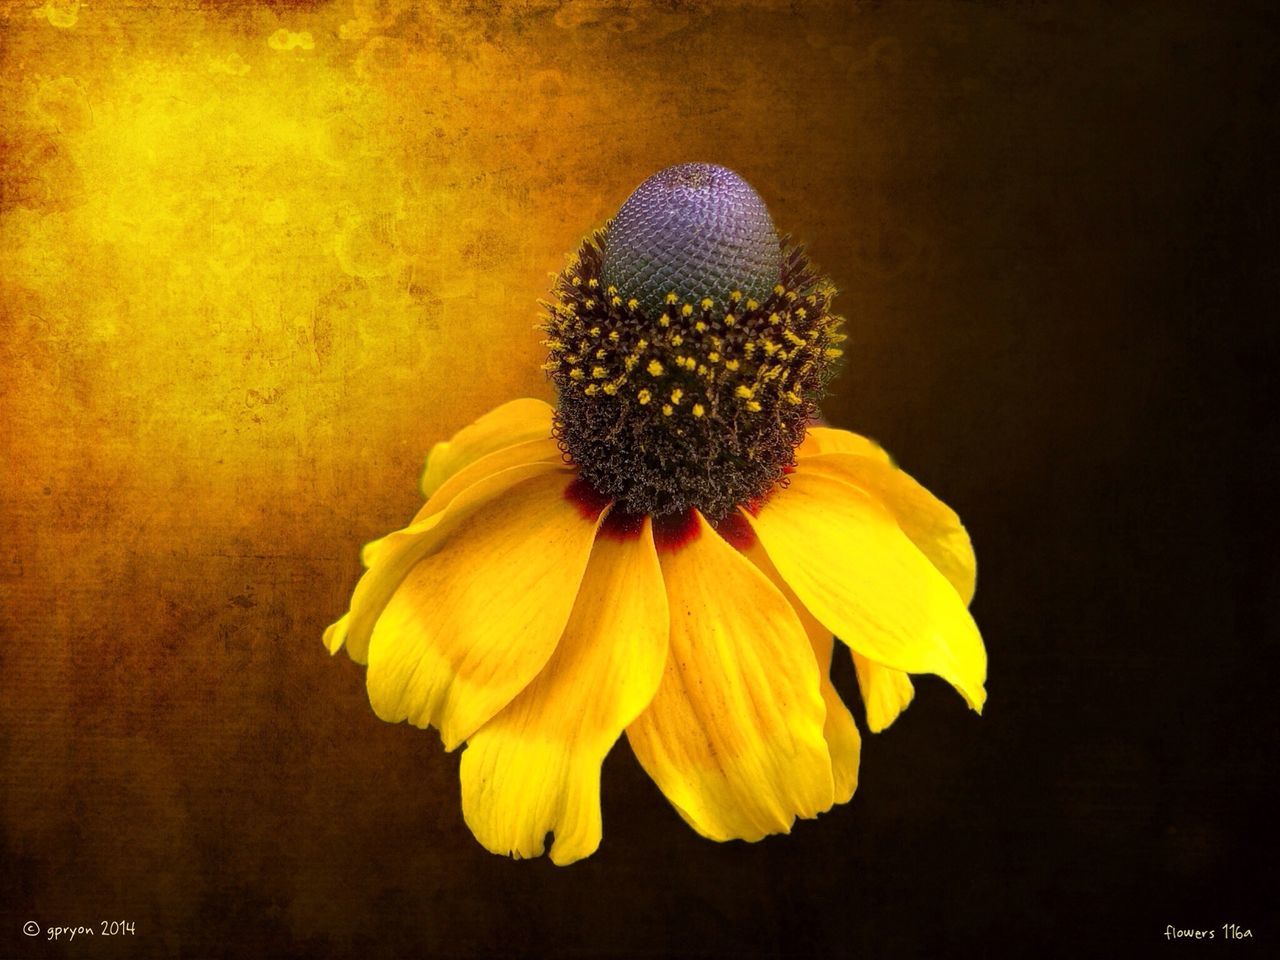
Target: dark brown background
1056,241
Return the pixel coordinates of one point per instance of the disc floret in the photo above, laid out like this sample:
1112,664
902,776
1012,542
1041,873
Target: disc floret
699,404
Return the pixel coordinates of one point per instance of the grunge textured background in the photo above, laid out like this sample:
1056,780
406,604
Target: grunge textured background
256,257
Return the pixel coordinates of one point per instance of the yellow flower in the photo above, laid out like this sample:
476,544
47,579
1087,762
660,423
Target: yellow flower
679,578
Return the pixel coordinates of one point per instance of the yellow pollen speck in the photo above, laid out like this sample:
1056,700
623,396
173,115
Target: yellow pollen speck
699,409
796,340
576,281
793,398
791,295
664,321
610,388
654,368
551,365
599,373
589,304
749,348
770,348
641,343
594,331
735,296
671,297
677,340
600,354
779,289
686,310
713,357
616,301
754,406
644,396
834,352
593,283
572,357
731,364
632,303
613,335
576,373
612,290
667,409
774,318
801,313
592,389
730,319
707,303
700,327
745,392
752,305
676,394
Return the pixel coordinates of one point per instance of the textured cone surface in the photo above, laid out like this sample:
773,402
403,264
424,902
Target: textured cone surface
697,229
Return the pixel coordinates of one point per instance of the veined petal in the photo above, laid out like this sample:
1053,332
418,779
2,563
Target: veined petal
886,692
930,523
843,741
518,454
513,422
480,612
734,735
391,558
854,569
535,767
820,440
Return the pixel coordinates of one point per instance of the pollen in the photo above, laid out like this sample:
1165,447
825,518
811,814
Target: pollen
654,368
699,410
667,410
676,395
686,310
707,303
644,396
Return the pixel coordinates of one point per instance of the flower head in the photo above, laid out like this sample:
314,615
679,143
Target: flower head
669,553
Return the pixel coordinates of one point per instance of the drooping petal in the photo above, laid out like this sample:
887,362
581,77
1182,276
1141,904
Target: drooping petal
820,440
885,692
480,612
543,450
854,569
841,732
535,767
734,735
392,557
930,523
513,422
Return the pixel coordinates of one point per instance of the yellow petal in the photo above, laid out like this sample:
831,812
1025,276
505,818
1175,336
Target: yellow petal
843,741
930,523
535,767
518,454
512,423
392,557
844,556
820,440
734,735
480,613
885,692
